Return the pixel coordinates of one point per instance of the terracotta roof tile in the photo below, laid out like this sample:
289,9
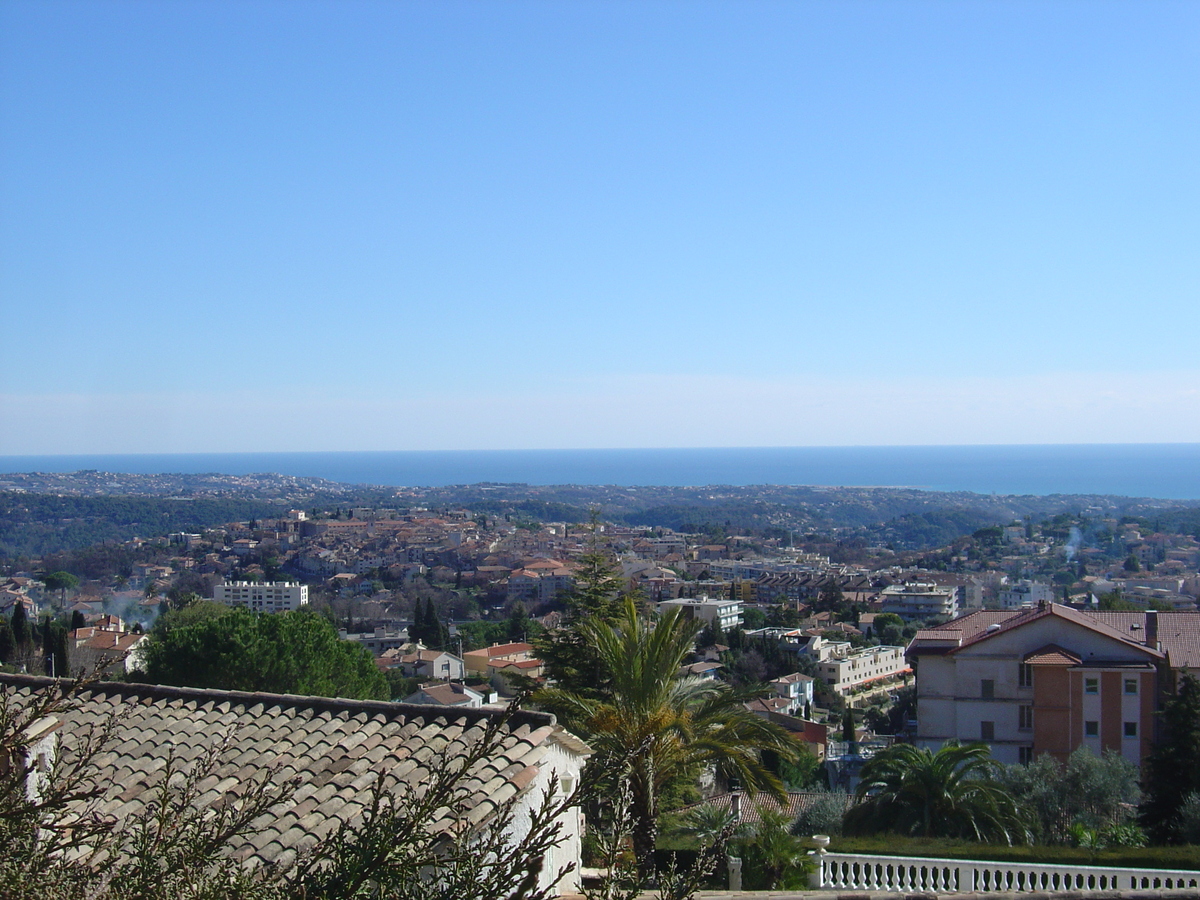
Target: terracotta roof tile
336,748
1052,655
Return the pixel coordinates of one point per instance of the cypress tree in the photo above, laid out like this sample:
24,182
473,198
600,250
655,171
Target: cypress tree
425,624
22,634
1172,771
8,643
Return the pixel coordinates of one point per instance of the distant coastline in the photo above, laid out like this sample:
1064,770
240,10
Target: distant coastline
1166,471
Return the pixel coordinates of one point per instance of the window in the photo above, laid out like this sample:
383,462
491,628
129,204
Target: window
987,689
1131,729
1025,675
1025,717
1091,685
987,731
1024,755
1091,729
1131,685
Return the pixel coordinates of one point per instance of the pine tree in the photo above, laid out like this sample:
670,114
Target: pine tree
518,623
570,661
1172,771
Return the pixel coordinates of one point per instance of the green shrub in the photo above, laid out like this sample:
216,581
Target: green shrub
822,816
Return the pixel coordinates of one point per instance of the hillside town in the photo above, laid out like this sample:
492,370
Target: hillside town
1036,641
889,640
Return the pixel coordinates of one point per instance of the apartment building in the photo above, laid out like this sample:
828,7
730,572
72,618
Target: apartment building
919,600
270,596
726,613
1025,593
845,669
1050,679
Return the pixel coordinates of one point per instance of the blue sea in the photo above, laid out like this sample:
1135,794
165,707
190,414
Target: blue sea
1167,471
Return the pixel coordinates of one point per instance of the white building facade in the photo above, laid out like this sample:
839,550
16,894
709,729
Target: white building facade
725,613
845,669
271,596
919,600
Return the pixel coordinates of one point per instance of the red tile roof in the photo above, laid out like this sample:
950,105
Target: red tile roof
977,626
1052,655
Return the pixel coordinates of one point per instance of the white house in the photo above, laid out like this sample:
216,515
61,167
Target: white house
797,689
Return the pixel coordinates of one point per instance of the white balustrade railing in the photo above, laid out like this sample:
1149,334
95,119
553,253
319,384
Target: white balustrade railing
860,872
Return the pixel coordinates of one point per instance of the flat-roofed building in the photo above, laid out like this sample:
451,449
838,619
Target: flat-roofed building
725,613
919,600
267,596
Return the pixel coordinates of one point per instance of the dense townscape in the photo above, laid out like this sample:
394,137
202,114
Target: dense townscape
1052,643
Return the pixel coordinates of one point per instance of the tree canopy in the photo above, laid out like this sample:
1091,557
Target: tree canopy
951,793
1096,792
1172,772
296,652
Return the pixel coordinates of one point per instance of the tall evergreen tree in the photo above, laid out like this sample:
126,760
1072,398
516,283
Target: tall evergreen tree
570,659
518,623
8,643
418,631
22,633
1172,771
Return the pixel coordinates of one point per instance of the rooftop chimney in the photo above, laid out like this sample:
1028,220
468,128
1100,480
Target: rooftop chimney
1152,628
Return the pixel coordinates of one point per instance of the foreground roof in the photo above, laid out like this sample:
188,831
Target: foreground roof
334,748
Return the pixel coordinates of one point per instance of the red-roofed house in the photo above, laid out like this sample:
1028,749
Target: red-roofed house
1050,679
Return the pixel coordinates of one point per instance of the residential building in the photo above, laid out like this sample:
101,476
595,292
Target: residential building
445,693
1050,679
542,581
268,596
919,600
846,669
1025,594
484,663
433,664
378,641
105,647
796,689
725,613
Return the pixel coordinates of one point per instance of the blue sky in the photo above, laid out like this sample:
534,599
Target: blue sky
388,226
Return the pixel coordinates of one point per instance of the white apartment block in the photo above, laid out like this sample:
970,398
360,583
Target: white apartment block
1025,593
272,596
918,600
844,669
726,613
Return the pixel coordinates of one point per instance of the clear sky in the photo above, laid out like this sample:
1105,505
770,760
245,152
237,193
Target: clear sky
239,226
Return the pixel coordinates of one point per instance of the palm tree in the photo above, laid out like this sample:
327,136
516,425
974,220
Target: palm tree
708,825
654,724
950,793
